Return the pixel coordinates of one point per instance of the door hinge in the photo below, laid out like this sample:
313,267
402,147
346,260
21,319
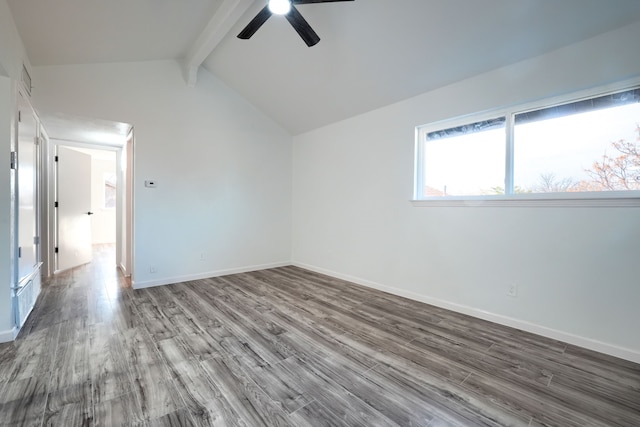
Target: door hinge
19,252
55,159
55,204
55,250
36,240
19,116
14,160
36,140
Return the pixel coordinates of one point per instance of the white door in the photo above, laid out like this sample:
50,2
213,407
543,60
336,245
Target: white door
74,208
26,283
27,220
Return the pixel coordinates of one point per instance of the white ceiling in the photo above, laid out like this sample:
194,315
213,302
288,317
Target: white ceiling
372,53
57,32
74,129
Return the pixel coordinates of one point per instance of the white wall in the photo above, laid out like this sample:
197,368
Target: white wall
577,269
103,220
12,53
223,169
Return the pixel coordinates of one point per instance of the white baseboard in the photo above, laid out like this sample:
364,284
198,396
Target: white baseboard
8,336
207,275
580,341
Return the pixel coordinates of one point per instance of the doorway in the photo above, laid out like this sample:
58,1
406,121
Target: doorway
86,204
107,212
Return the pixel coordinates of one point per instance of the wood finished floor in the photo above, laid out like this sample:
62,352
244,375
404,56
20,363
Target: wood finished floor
288,347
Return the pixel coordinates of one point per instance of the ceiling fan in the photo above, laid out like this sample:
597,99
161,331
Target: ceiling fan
288,9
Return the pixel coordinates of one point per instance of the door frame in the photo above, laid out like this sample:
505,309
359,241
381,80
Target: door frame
21,100
124,211
124,187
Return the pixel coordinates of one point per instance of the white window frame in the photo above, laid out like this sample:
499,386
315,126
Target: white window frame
583,199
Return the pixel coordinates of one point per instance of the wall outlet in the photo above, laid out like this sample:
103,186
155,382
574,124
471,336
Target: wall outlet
512,290
201,256
152,269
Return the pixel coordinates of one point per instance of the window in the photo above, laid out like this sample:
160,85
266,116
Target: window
589,145
109,190
465,160
588,148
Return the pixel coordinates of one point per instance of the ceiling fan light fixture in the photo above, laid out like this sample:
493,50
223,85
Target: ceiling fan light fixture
279,7
288,9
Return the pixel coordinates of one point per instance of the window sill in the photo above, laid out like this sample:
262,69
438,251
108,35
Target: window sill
551,200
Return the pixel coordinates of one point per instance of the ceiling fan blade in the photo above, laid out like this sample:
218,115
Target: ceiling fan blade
302,27
255,23
315,1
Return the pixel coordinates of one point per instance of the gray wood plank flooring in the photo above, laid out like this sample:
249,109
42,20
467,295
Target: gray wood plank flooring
289,347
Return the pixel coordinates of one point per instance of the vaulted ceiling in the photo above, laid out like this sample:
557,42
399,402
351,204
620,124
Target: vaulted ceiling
372,52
